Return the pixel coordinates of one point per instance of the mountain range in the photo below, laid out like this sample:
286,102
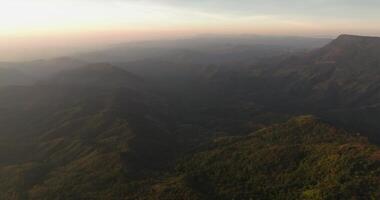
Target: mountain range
267,120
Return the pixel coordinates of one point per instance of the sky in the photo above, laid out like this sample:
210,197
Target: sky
29,28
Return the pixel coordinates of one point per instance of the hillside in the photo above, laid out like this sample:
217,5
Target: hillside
95,75
300,159
13,77
303,158
339,82
347,68
92,142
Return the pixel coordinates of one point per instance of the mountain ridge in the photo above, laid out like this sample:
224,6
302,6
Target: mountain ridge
302,158
95,75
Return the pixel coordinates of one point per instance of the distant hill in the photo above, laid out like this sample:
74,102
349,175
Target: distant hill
40,69
339,81
206,49
95,75
351,48
10,76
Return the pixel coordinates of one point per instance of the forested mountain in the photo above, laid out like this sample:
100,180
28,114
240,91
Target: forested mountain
196,124
303,158
347,67
339,81
92,140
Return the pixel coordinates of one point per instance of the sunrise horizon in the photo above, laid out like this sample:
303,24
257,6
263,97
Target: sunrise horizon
189,99
75,26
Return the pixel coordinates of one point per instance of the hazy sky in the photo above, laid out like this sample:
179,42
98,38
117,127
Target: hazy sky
55,26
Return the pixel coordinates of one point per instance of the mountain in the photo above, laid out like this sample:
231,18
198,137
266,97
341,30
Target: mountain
348,65
303,158
89,133
95,75
41,69
13,77
210,49
339,82
351,48
93,143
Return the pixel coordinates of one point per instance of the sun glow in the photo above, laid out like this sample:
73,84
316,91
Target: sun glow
29,26
28,17
21,16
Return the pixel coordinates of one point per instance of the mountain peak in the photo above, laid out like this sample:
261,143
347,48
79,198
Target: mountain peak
356,37
349,48
356,40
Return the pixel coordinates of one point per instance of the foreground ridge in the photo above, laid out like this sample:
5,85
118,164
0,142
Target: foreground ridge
300,159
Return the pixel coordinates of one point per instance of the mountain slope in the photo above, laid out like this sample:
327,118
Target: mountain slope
92,137
95,75
13,77
339,82
348,68
301,159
